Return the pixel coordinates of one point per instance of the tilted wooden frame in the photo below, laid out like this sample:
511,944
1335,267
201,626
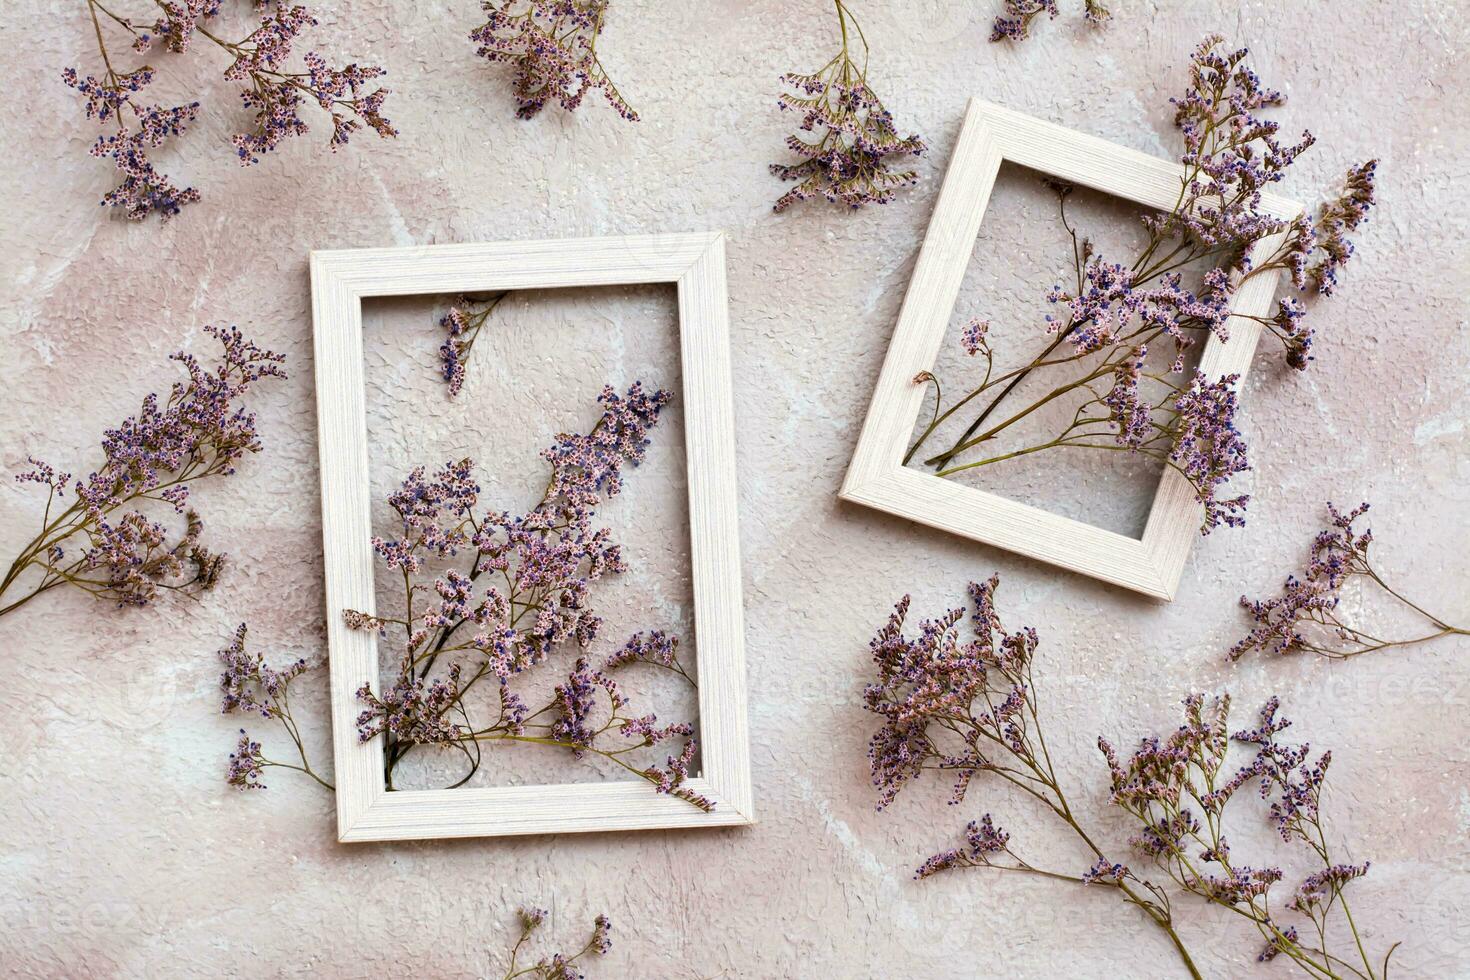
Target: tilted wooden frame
695,264
877,476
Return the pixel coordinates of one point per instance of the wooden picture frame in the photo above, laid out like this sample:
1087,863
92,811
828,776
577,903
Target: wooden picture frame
877,476
695,264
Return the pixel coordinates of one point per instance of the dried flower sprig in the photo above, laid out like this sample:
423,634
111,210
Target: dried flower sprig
849,163
970,708
251,686
655,648
553,46
1177,790
463,324
1305,616
1118,316
557,966
274,94
1014,21
99,542
458,629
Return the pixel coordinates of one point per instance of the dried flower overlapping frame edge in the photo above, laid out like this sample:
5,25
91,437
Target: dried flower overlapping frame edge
695,263
877,477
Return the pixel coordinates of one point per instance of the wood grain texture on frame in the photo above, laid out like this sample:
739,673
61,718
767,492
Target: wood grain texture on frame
695,264
877,476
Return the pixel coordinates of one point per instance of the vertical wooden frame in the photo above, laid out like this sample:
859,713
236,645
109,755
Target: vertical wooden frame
695,264
877,476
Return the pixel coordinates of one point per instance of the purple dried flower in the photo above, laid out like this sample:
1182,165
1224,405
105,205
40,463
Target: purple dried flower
276,96
585,468
463,327
525,589
969,708
646,729
558,966
672,779
141,190
553,46
1321,888
412,709
250,685
200,431
246,764
1208,449
1164,776
1111,306
1338,218
1295,336
1014,22
602,935
1280,942
656,648
1304,616
1105,872
1230,153
983,840
973,338
274,92
849,162
1105,325
576,697
1130,414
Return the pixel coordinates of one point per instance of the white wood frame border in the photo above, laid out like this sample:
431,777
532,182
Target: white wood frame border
695,263
877,477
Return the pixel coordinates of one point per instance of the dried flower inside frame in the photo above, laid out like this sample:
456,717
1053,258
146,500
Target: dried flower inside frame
878,476
694,264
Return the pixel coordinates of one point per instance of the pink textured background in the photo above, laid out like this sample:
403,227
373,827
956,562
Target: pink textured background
124,854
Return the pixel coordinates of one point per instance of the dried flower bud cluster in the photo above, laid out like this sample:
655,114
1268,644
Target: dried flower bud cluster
552,45
557,966
1016,17
463,324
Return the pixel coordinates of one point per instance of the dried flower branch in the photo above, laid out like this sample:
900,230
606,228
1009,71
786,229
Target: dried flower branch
1305,616
98,543
558,966
463,323
970,708
457,629
1117,317
253,687
259,60
849,163
553,46
1177,790
1014,22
